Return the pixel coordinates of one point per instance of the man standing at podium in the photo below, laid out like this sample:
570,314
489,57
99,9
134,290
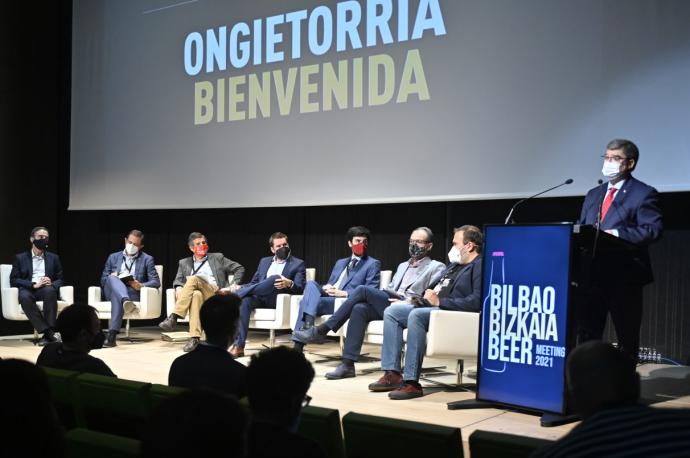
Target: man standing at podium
626,208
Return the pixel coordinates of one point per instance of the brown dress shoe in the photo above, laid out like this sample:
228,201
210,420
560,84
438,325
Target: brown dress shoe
409,390
388,382
237,352
191,344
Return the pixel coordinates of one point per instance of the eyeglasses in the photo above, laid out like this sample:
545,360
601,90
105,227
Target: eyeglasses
616,158
306,401
418,242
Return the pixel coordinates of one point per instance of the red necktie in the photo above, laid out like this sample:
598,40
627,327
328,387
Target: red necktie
607,202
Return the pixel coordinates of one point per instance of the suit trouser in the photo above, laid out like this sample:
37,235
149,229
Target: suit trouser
624,302
193,294
364,305
117,292
259,295
396,318
41,321
315,303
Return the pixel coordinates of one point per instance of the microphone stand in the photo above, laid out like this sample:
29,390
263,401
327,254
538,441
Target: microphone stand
509,219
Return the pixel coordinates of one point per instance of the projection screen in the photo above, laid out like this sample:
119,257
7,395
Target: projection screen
262,103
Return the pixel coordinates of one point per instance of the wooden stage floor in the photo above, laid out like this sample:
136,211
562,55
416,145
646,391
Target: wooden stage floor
150,359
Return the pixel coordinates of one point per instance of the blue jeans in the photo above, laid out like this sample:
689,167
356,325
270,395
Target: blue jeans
315,303
259,295
115,291
395,319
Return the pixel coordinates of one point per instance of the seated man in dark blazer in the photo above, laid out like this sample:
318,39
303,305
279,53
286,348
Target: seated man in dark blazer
210,365
280,273
37,274
627,208
81,333
134,266
458,288
348,273
199,277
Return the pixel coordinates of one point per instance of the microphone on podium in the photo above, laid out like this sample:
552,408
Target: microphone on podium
509,218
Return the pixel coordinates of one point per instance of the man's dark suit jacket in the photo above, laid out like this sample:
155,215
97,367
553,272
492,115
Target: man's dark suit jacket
635,214
294,270
465,290
23,269
209,367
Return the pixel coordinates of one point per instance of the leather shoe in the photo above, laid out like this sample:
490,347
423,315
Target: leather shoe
342,371
388,382
169,323
407,391
237,352
191,344
308,336
43,341
129,306
111,339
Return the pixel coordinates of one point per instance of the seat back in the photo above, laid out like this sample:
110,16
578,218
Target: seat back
323,426
453,334
81,443
5,271
367,436
489,444
62,389
111,405
161,393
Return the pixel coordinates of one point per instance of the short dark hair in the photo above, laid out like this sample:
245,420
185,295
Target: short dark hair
39,228
471,234
215,420
358,231
629,149
276,235
193,236
268,393
219,315
429,233
73,319
136,233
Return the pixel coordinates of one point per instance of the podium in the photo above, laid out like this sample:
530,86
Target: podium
534,278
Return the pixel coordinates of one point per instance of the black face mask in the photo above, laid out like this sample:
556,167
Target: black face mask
416,251
283,252
41,244
97,341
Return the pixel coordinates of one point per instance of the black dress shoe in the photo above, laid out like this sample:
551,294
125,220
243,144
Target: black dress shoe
191,344
310,335
342,371
111,339
43,341
169,323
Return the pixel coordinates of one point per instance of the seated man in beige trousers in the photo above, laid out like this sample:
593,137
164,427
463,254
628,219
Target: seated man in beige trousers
199,277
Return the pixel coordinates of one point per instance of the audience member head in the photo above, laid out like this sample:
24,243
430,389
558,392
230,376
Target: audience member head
358,240
219,318
274,399
80,328
600,377
28,423
213,424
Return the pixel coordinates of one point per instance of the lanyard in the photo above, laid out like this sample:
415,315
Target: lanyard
194,271
129,267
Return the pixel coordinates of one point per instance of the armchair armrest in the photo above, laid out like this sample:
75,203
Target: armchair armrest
93,295
453,333
67,294
149,303
283,311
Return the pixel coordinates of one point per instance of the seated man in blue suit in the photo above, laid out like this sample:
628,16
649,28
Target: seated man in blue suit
458,288
277,274
627,208
348,273
134,267
37,274
367,303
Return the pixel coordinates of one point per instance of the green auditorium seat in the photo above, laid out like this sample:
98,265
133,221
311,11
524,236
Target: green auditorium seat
112,405
161,393
83,443
62,389
367,436
488,444
323,426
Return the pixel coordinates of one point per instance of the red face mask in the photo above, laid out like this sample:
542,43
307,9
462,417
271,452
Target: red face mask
360,249
200,250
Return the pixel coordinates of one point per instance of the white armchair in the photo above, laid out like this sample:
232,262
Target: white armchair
148,306
12,310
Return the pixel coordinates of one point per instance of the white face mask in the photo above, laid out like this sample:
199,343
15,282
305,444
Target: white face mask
131,249
610,169
454,255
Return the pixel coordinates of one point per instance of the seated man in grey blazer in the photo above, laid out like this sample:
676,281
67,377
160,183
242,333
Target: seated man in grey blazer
124,274
367,303
199,277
